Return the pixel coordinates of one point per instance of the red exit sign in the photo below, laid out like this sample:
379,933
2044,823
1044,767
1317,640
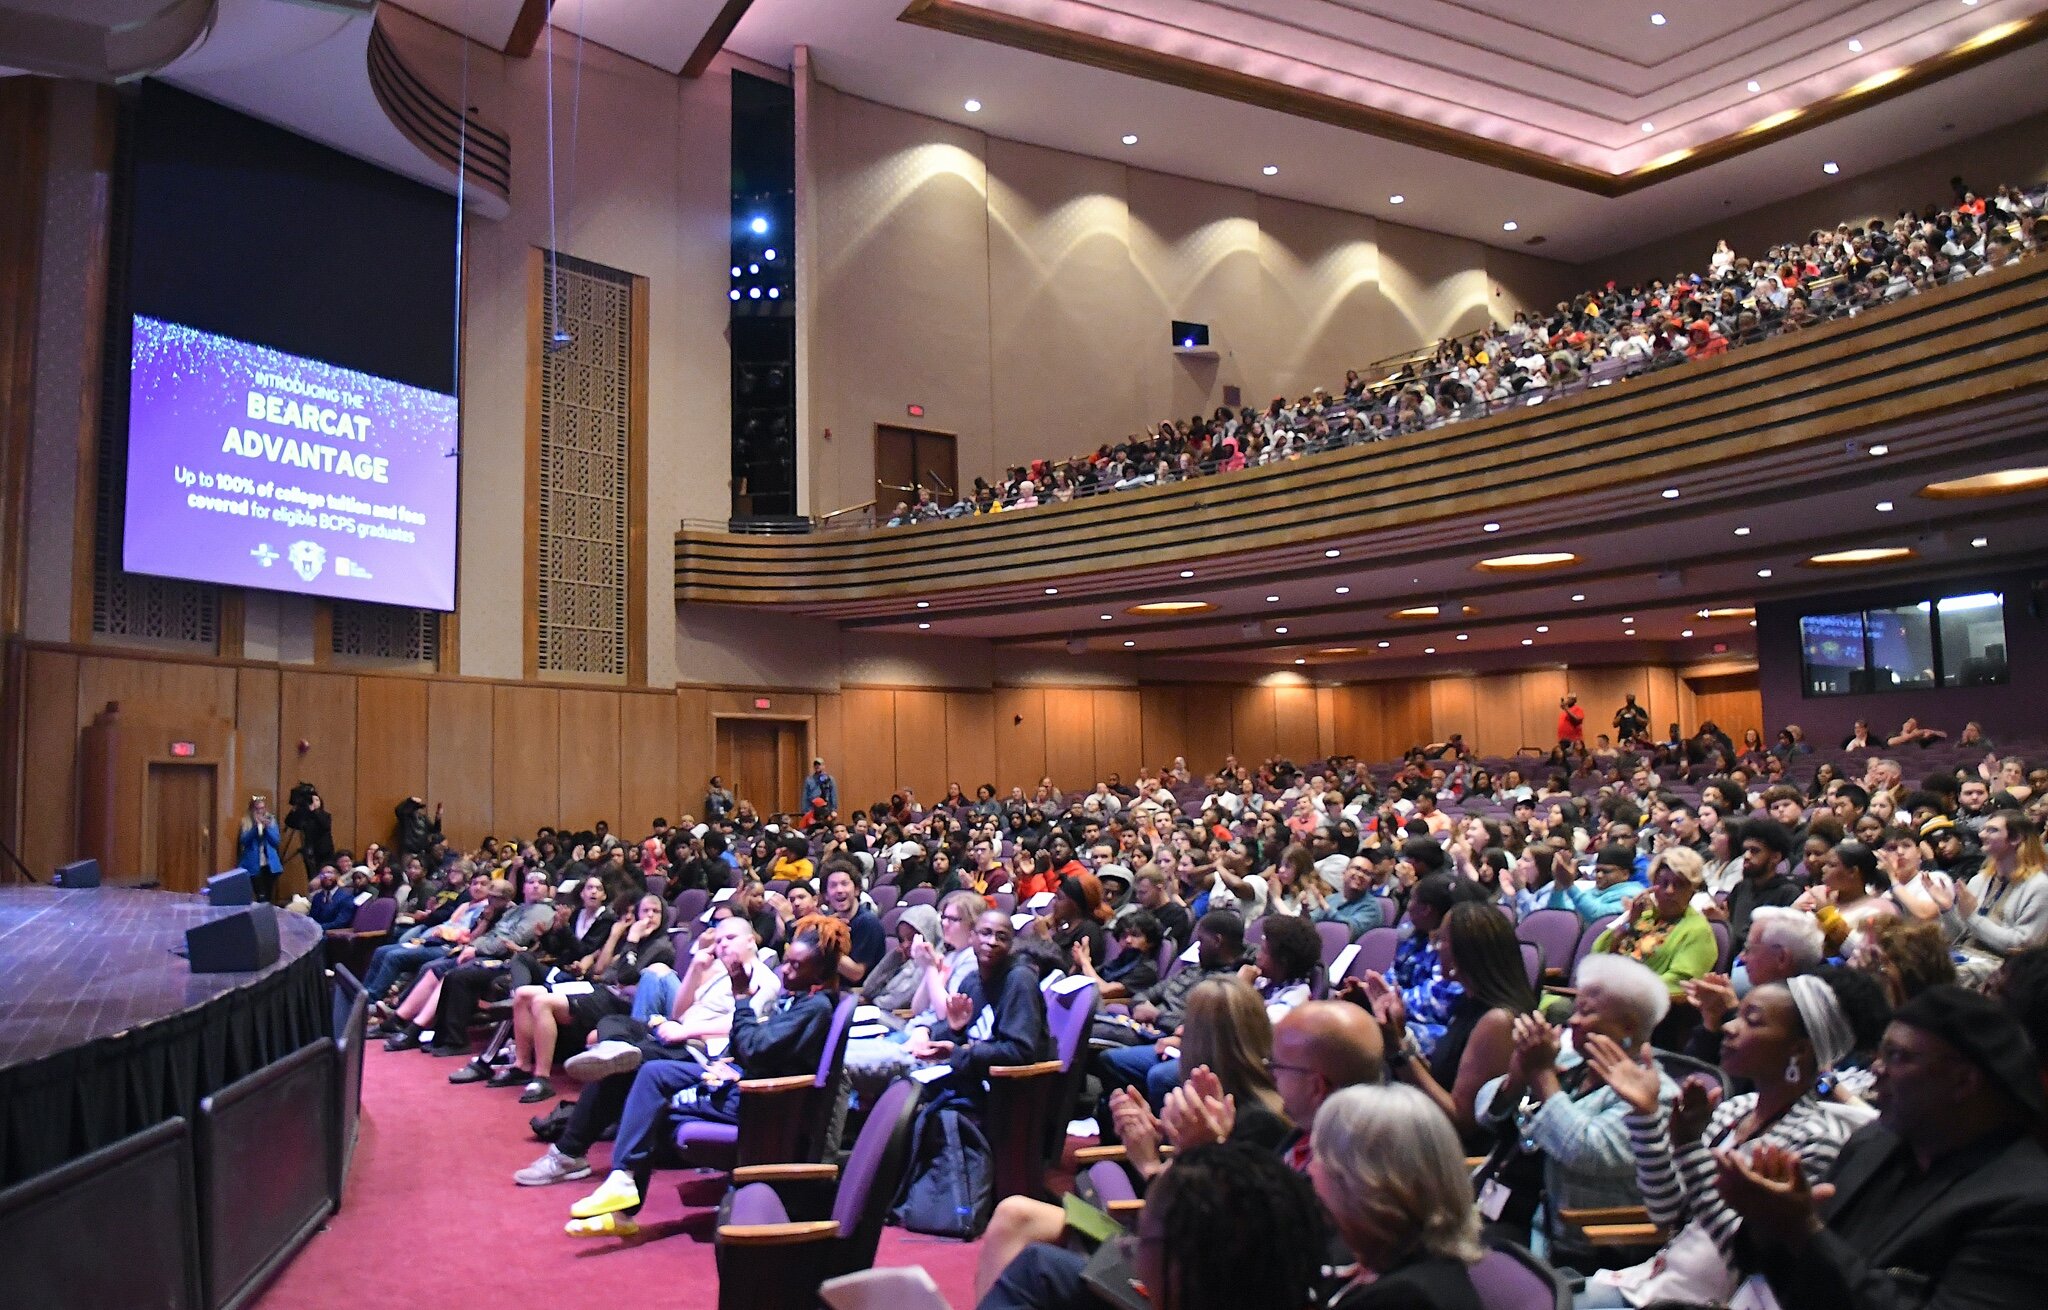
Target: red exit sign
917,411
184,749
760,702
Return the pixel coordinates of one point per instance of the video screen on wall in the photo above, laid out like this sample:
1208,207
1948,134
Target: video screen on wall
292,423
1950,641
254,468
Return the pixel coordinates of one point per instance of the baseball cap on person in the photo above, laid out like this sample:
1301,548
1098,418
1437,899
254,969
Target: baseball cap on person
1983,1032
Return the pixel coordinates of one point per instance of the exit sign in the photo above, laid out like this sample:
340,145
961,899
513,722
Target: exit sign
760,702
184,749
917,411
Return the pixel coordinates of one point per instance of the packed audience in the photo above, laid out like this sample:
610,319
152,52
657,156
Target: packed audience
1599,336
1693,1022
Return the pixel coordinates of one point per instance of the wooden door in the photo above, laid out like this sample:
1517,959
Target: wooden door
909,458
180,810
763,761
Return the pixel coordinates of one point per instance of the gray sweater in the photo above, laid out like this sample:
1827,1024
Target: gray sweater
2010,918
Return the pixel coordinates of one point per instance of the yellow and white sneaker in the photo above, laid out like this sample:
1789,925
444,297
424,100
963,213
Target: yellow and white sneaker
617,1192
605,1225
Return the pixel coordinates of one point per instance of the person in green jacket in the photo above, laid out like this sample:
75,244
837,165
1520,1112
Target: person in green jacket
1661,928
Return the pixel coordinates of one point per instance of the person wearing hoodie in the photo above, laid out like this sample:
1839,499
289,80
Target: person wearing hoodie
890,985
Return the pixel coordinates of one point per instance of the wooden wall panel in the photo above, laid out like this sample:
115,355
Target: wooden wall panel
1404,718
1294,723
648,785
1119,733
866,769
159,691
1541,690
1069,739
256,693
828,739
971,739
319,709
460,759
1496,725
525,734
587,759
1209,732
1667,701
921,762
1254,735
696,755
1355,717
1163,726
1452,708
391,753
1326,721
1731,700
49,778
1602,689
1020,738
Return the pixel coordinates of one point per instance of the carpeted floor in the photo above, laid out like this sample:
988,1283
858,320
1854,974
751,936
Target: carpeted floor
431,1215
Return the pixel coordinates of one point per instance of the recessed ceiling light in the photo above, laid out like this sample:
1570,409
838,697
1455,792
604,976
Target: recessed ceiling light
973,106
1685,632
1129,644
1489,527
1628,620
1270,170
1397,199
1763,573
1543,627
1755,86
1429,650
1884,507
1578,595
1300,661
1170,607
1534,559
1742,532
1187,573
1332,553
1880,449
924,604
1343,591
1657,20
1130,138
1052,591
1270,600
1860,555
1509,226
1628,632
1528,641
1855,46
1107,617
2002,483
734,293
1649,127
1385,644
922,626
1980,542
1281,630
1670,493
1752,623
1831,168
1464,636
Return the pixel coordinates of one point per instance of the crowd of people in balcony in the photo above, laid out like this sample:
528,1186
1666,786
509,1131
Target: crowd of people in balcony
1599,336
1797,1048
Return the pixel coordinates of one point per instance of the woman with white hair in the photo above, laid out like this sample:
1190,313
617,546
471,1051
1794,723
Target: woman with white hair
1388,1170
1785,1037
1552,1102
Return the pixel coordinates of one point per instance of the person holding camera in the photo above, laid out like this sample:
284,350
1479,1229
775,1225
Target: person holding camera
309,818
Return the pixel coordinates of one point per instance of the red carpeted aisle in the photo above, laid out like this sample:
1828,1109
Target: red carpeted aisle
432,1217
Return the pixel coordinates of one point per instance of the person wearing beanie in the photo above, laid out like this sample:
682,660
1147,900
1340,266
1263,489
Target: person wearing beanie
1942,1202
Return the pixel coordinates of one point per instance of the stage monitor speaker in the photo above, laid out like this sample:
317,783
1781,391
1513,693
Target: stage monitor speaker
78,873
231,888
235,943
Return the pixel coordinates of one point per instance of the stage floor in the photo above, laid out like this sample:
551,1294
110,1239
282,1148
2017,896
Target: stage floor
79,966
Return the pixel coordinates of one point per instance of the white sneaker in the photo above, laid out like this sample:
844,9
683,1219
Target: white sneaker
554,1167
602,1061
617,1192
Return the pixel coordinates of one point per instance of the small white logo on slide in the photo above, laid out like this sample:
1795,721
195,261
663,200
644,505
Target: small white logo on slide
344,567
265,555
308,558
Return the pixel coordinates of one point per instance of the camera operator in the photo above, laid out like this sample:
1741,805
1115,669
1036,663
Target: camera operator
309,818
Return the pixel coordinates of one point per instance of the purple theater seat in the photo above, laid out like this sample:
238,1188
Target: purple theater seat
1508,1277
1376,947
885,897
1028,1104
1554,932
1532,962
782,1120
921,896
1587,938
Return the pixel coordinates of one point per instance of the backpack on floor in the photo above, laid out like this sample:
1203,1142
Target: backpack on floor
949,1189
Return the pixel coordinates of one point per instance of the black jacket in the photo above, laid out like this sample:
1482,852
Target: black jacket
316,834
790,1041
418,829
1426,1284
1967,1233
1008,1023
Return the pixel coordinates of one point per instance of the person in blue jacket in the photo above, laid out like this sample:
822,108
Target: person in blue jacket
259,848
332,905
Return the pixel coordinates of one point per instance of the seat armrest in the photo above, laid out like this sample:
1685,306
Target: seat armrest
369,936
789,1234
1088,1155
1125,1208
796,1082
1613,1214
1037,1070
1623,1234
784,1173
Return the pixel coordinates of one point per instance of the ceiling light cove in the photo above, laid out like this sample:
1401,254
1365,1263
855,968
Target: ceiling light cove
1730,612
1428,612
1535,559
2005,482
1338,650
1843,559
1155,607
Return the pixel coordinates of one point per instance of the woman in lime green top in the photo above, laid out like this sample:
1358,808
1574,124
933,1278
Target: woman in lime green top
1661,928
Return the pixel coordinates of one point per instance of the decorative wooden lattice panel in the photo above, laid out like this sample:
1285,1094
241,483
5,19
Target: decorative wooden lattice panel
585,466
386,634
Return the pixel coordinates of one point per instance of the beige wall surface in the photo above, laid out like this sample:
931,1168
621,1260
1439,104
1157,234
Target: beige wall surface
1023,295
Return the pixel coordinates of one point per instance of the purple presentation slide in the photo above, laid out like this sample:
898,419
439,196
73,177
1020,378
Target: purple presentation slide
254,468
